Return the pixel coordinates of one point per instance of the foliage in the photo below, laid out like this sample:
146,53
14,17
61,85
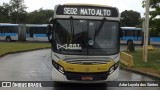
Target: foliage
17,6
154,14
130,18
15,12
154,33
4,15
39,16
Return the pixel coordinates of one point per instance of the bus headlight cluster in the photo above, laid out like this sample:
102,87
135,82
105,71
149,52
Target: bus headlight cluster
113,68
58,67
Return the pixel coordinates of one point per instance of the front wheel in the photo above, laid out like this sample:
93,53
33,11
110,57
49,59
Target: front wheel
8,38
129,41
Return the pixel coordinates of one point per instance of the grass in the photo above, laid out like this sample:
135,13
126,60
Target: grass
153,64
11,47
153,59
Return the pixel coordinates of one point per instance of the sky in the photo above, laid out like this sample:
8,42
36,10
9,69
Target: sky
135,5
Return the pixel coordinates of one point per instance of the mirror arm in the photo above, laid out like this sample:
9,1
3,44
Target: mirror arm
50,29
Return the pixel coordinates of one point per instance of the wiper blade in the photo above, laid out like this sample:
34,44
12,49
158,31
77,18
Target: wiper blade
72,29
99,27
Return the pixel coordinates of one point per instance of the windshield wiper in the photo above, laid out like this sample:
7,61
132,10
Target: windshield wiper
72,29
99,27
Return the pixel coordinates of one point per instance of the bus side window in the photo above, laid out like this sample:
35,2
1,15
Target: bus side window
121,32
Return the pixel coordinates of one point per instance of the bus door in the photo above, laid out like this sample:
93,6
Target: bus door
139,34
31,32
124,34
135,35
2,30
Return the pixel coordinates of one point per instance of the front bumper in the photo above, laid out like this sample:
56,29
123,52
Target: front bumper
76,77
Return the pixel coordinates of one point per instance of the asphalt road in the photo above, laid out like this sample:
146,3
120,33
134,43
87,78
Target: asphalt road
36,66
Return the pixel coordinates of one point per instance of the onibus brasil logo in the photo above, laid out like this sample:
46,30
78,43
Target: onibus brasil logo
69,46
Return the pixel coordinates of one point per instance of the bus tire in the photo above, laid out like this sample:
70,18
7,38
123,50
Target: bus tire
130,40
8,38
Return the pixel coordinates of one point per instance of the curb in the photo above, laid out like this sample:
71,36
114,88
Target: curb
22,51
143,73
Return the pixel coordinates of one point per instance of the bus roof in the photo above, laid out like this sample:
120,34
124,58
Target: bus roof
36,25
131,28
29,25
8,24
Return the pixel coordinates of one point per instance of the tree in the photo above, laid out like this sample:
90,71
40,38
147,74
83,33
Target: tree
39,16
17,11
154,14
4,15
130,18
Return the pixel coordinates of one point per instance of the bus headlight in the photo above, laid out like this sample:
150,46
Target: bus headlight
61,69
116,65
113,68
58,67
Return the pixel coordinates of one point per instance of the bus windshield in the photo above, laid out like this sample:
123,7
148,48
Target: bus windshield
79,37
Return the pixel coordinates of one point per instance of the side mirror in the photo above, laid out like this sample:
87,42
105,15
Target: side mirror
50,29
49,32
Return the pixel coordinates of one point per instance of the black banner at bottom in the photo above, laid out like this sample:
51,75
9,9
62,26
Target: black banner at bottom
77,84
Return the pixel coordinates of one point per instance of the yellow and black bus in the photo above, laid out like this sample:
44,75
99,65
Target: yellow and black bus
85,43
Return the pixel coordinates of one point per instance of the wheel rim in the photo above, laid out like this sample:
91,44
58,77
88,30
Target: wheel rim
8,39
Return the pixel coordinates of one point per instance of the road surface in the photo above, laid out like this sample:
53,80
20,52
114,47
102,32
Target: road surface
36,66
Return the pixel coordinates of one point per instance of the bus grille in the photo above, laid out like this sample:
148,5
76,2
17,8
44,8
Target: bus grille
87,61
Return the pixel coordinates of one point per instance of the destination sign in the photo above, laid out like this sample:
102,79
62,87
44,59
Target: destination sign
87,11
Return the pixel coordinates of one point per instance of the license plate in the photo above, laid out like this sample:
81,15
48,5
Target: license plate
86,78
